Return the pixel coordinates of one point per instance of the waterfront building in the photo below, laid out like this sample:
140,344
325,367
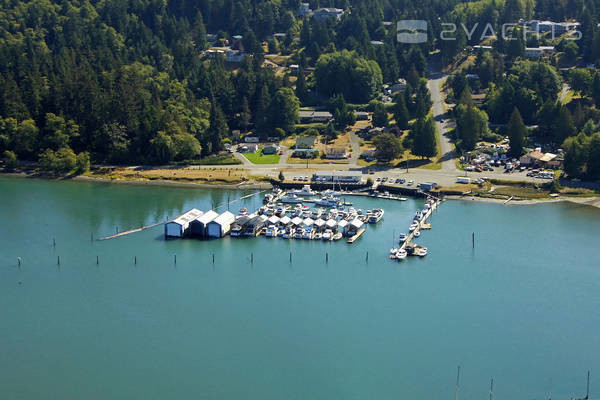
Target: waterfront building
198,225
180,226
221,225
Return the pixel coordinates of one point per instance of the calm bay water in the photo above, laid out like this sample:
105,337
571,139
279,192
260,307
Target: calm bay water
523,307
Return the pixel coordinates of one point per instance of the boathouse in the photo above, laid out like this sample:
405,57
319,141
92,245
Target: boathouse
180,226
353,227
198,225
253,226
221,225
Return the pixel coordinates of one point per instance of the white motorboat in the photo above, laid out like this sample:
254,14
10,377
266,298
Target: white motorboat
318,236
403,237
243,211
328,201
271,231
337,236
330,192
268,198
291,198
236,230
305,191
422,251
417,233
327,235
401,254
376,215
413,226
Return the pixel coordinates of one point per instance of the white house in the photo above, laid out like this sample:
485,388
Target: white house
179,227
325,13
221,225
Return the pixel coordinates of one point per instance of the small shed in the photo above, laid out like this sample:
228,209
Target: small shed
221,225
198,225
353,227
180,226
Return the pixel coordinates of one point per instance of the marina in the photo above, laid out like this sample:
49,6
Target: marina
312,306
285,215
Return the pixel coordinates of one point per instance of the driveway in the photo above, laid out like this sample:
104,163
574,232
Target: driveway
435,80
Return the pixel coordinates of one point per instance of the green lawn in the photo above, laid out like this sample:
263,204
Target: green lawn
260,158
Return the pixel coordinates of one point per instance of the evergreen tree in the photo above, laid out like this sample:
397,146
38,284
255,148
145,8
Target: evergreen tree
424,138
380,115
401,113
517,131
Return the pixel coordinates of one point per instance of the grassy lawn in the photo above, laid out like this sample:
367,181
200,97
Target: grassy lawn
260,158
188,174
318,160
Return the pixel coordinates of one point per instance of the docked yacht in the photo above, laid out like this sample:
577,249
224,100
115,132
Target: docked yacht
236,230
268,198
337,236
243,211
403,237
401,254
413,226
376,215
328,201
328,234
305,191
309,233
291,198
271,231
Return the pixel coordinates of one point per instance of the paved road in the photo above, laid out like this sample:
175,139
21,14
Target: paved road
434,83
355,143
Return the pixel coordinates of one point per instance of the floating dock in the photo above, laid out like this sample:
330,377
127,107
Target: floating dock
357,235
422,224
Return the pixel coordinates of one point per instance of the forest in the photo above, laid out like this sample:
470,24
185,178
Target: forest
130,82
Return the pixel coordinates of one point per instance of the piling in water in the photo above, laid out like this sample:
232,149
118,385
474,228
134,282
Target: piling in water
97,260
290,257
213,258
175,258
326,257
58,260
251,258
135,260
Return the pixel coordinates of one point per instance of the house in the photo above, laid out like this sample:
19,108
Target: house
323,14
248,148
335,153
376,42
532,158
214,53
337,176
557,28
480,48
305,142
221,225
271,149
180,226
304,10
251,139
311,116
369,154
538,52
198,225
398,86
234,56
361,115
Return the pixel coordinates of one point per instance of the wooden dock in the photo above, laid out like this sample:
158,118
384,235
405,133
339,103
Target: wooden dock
357,235
422,224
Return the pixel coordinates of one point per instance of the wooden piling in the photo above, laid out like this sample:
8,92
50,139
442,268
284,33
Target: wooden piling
473,239
175,258
53,242
213,258
367,259
290,257
135,260
326,257
58,260
97,260
19,261
251,258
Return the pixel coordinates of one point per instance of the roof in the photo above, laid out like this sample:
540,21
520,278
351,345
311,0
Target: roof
207,217
356,223
336,150
285,220
188,216
319,222
297,221
338,173
331,223
536,155
305,142
225,218
342,223
274,219
308,221
548,157
243,219
314,114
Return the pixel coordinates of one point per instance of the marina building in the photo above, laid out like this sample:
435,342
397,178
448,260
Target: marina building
337,176
180,226
198,225
220,225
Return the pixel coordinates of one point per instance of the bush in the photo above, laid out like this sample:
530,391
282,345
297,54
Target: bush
370,181
281,177
10,160
83,162
63,160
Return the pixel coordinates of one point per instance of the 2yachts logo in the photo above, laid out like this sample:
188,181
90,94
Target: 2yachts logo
417,31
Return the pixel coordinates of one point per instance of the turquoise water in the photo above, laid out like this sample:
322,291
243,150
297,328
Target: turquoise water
522,307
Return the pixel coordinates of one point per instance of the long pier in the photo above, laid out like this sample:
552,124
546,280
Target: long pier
143,228
422,224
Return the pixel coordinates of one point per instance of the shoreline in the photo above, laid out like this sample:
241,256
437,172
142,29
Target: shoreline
588,201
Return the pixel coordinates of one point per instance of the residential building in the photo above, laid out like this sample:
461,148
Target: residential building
335,153
323,14
271,149
311,116
304,10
